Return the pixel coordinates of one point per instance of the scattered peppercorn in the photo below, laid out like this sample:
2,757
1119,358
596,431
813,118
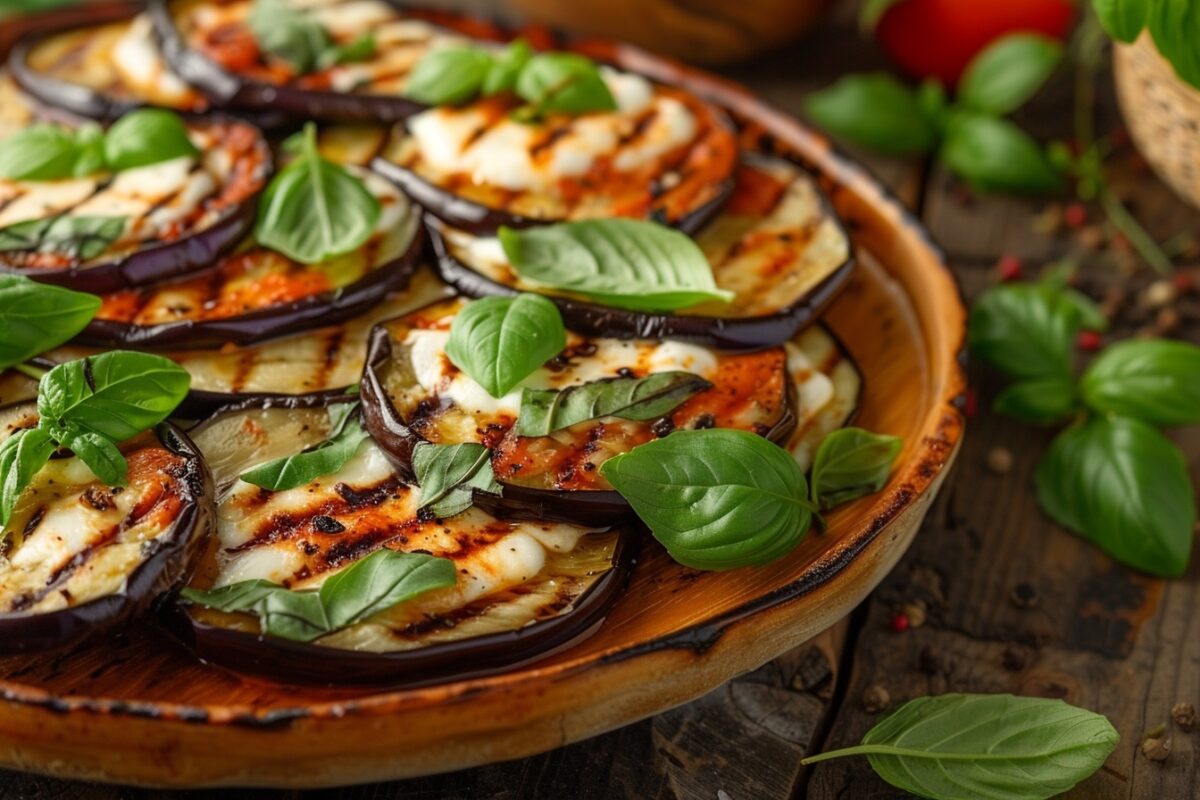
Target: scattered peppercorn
1184,715
1157,749
1166,321
1009,268
1075,215
875,699
915,611
970,404
898,623
1024,596
1000,460
1089,341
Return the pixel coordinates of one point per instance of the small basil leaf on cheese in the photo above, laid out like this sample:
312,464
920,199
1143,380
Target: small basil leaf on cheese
506,67
76,238
716,499
363,48
850,463
500,341
36,317
544,411
100,454
21,457
566,83
626,263
448,76
144,137
289,34
38,153
378,582
314,209
448,474
325,459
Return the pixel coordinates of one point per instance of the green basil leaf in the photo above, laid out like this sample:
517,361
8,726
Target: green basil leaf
449,474
1039,401
36,317
117,394
1008,72
1175,26
327,458
1122,19
993,154
90,158
77,238
298,616
21,457
850,463
716,499
1025,330
1124,486
1156,381
1091,318
973,745
625,263
566,83
501,341
363,48
503,71
314,209
380,581
38,153
100,454
144,137
544,411
289,34
875,111
448,76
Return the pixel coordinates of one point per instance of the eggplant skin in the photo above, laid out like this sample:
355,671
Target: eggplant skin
149,584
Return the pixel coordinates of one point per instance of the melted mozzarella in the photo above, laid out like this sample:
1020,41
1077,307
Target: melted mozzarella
137,59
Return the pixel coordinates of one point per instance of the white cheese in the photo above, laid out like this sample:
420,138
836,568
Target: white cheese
137,59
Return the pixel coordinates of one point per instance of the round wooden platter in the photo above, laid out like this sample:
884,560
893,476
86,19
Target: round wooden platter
139,709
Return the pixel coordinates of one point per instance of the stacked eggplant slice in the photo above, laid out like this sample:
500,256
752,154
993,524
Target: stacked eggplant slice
425,281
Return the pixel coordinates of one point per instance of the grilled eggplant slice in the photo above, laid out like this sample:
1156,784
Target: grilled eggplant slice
179,215
777,245
80,557
256,294
413,393
524,589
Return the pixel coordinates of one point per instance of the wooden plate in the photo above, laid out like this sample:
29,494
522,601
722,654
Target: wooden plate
138,709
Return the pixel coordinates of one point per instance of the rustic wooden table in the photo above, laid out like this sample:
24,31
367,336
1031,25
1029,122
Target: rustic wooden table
1013,604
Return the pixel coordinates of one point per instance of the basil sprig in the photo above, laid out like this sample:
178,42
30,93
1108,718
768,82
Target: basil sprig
626,263
851,463
36,317
1174,24
378,582
500,341
544,411
346,433
49,152
450,474
1110,476
76,238
314,209
566,83
295,37
975,745
89,406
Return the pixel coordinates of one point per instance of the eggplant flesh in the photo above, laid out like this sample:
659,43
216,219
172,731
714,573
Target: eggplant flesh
777,245
81,557
518,581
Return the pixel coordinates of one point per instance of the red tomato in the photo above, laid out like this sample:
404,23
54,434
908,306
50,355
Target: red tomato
938,38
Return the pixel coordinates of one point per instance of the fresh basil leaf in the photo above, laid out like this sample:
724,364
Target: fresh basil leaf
289,34
100,454
1124,486
715,499
1025,330
38,153
144,137
850,463
298,616
363,48
36,317
380,581
875,111
1122,19
993,154
21,457
327,458
448,76
974,745
117,394
449,474
1156,381
565,83
314,209
76,238
90,157
625,263
544,411
501,341
503,71
1039,401
1008,72
1175,26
